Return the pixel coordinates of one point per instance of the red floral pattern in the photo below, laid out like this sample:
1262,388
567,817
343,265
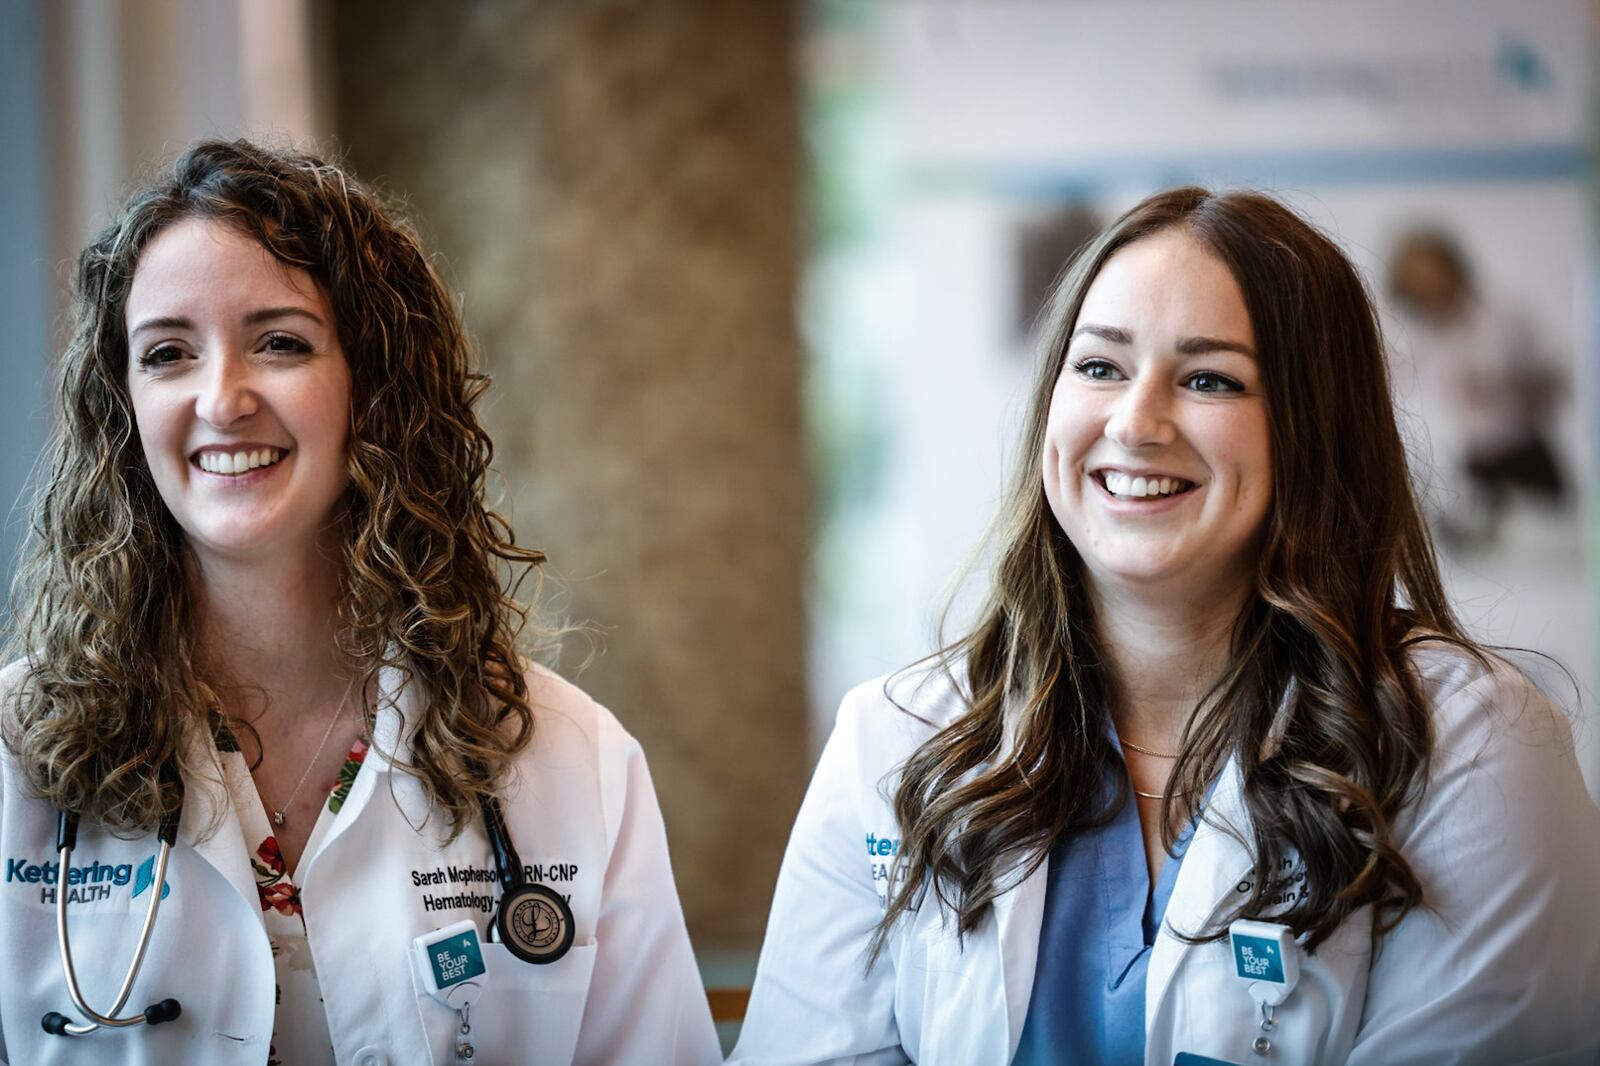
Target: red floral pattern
277,892
347,775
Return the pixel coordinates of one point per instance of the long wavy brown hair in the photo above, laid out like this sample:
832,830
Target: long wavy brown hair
105,616
1317,703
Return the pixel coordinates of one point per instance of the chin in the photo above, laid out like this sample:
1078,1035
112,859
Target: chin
241,538
1140,570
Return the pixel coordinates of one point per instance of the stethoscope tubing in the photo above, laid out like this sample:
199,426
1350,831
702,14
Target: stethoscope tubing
66,841
507,862
108,1019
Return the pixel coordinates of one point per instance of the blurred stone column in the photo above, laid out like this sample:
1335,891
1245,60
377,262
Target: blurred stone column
614,188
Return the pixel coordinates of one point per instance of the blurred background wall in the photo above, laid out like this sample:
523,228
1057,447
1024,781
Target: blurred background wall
756,281
615,189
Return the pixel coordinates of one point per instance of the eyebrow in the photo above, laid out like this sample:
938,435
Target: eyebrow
1185,345
254,318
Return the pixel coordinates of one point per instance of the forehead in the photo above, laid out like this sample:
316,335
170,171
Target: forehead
199,266
1168,285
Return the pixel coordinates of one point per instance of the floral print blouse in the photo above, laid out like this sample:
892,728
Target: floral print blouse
300,1030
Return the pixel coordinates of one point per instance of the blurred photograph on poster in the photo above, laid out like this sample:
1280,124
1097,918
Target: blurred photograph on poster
1484,389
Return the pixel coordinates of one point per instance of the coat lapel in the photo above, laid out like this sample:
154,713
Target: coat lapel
209,823
1019,917
1212,867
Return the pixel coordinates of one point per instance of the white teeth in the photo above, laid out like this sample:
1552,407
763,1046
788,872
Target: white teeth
238,462
1119,484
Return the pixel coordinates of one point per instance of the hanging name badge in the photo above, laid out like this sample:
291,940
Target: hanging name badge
1266,959
453,971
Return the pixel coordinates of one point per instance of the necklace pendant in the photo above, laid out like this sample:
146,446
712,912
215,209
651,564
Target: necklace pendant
277,819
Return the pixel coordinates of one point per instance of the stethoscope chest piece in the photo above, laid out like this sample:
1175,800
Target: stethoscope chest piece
534,923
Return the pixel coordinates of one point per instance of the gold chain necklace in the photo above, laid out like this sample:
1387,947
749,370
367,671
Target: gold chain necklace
281,815
1131,746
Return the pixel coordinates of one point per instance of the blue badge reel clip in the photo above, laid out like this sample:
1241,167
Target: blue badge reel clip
1266,959
450,961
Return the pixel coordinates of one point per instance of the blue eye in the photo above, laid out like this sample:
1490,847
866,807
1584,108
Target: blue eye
1206,381
1097,370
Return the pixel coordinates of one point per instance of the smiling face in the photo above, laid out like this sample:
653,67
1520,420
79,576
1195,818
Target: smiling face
1157,456
240,390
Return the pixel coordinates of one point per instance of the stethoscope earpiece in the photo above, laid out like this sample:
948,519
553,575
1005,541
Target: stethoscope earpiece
167,1010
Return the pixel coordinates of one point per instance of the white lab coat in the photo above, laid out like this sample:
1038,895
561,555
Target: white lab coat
1503,967
582,808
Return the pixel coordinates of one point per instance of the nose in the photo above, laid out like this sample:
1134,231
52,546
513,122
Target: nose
227,392
1142,417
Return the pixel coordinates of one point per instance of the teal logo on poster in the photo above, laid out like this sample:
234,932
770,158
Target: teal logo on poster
1257,959
456,959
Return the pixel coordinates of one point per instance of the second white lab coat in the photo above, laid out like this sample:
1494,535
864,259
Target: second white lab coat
1501,965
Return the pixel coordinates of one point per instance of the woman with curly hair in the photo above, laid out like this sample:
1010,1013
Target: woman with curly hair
1217,776
269,677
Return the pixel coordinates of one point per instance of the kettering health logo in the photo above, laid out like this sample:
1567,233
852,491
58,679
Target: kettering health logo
1509,64
88,883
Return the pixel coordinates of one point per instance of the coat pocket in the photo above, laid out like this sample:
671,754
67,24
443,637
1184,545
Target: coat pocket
527,1013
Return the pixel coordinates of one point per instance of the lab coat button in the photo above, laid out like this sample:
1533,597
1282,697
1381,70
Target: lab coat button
372,1056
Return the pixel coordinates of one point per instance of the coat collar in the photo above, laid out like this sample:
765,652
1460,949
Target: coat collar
396,716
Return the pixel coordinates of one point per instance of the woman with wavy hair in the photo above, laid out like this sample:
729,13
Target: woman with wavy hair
269,679
1217,776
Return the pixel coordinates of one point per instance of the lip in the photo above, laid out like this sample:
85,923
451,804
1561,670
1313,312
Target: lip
1139,471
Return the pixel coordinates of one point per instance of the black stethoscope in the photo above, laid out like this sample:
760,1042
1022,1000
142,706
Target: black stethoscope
532,920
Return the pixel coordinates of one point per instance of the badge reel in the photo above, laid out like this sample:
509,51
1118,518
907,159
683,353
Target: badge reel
452,967
1267,959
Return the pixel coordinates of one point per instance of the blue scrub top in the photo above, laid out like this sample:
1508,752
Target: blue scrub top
1100,920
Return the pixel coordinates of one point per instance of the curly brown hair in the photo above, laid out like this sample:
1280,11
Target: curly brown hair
105,616
1318,703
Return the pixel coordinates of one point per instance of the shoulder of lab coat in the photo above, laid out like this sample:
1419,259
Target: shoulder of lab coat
1502,961
646,1000
815,999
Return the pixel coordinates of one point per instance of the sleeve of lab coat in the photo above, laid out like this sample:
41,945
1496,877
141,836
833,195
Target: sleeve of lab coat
1502,962
646,1000
814,999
